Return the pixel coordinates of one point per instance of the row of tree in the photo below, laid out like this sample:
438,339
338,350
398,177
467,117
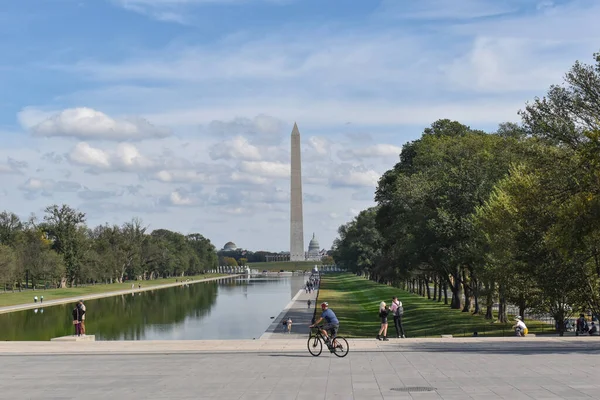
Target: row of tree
510,217
60,250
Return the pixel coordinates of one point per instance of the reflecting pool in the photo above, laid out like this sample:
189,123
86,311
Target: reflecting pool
232,308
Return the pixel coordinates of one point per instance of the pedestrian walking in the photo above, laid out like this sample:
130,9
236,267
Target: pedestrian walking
289,325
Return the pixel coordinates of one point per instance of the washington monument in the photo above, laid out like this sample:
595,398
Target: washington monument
296,219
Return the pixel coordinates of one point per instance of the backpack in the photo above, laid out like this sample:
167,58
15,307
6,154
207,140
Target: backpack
399,311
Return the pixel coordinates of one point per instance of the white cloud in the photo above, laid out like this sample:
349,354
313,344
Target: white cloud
248,178
507,64
237,148
374,151
48,186
126,157
84,154
178,199
262,128
347,175
178,10
319,145
185,176
87,123
443,9
266,169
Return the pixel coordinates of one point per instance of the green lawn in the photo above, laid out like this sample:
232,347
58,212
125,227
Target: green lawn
26,297
355,301
285,265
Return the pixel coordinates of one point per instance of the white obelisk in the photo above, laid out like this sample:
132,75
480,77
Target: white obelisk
296,219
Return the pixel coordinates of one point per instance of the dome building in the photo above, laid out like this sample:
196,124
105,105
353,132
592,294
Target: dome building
229,246
313,250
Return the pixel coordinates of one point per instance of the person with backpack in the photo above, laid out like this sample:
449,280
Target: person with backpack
398,312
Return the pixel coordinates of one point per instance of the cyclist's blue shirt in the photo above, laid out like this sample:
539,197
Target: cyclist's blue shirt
330,317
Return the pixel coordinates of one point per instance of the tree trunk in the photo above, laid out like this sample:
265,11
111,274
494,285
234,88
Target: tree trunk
456,292
467,291
428,288
440,287
435,289
445,293
489,301
522,307
502,317
477,309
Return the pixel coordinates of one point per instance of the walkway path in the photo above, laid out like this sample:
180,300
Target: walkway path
452,369
300,314
49,303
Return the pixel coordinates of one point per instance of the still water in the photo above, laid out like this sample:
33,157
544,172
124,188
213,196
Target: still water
233,308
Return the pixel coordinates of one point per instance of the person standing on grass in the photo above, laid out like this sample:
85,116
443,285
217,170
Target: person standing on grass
82,325
384,310
398,312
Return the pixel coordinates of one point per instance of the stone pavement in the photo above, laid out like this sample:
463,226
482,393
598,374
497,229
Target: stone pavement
300,314
446,368
144,288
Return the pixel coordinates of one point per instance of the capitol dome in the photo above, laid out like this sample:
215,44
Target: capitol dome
313,246
230,246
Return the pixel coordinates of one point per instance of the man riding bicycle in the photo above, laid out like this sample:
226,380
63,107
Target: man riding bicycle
332,324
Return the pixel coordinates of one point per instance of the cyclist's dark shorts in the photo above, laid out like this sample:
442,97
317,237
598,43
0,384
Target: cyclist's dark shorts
331,328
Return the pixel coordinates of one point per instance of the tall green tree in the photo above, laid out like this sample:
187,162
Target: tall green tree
62,225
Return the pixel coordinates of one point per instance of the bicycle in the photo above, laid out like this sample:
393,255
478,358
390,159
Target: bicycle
315,344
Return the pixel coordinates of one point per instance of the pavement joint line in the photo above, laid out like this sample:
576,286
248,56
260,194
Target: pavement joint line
66,300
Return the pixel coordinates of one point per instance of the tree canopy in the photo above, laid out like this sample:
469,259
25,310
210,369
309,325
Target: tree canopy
61,250
508,217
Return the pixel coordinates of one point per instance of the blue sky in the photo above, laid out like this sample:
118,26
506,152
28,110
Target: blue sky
179,111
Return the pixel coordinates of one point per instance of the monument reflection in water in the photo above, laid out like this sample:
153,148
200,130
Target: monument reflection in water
234,308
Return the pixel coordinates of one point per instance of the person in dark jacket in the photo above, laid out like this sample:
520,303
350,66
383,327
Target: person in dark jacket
77,318
384,311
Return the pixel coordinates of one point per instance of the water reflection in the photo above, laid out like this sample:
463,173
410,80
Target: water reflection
227,309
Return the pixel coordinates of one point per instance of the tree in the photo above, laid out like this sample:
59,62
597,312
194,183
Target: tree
8,266
358,248
10,226
61,225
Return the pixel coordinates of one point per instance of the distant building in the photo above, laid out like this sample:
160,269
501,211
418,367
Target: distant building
313,250
229,246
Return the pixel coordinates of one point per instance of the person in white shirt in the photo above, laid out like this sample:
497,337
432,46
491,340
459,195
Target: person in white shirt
519,326
82,318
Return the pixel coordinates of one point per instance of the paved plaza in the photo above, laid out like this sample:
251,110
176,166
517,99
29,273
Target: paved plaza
473,368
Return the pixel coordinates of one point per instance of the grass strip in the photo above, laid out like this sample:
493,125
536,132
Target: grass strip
26,296
355,300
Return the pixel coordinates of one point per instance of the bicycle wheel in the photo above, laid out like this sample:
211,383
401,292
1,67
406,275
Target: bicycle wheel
341,347
315,346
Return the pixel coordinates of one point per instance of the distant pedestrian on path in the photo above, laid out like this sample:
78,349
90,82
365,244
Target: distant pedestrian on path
398,313
309,303
384,310
82,324
289,325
